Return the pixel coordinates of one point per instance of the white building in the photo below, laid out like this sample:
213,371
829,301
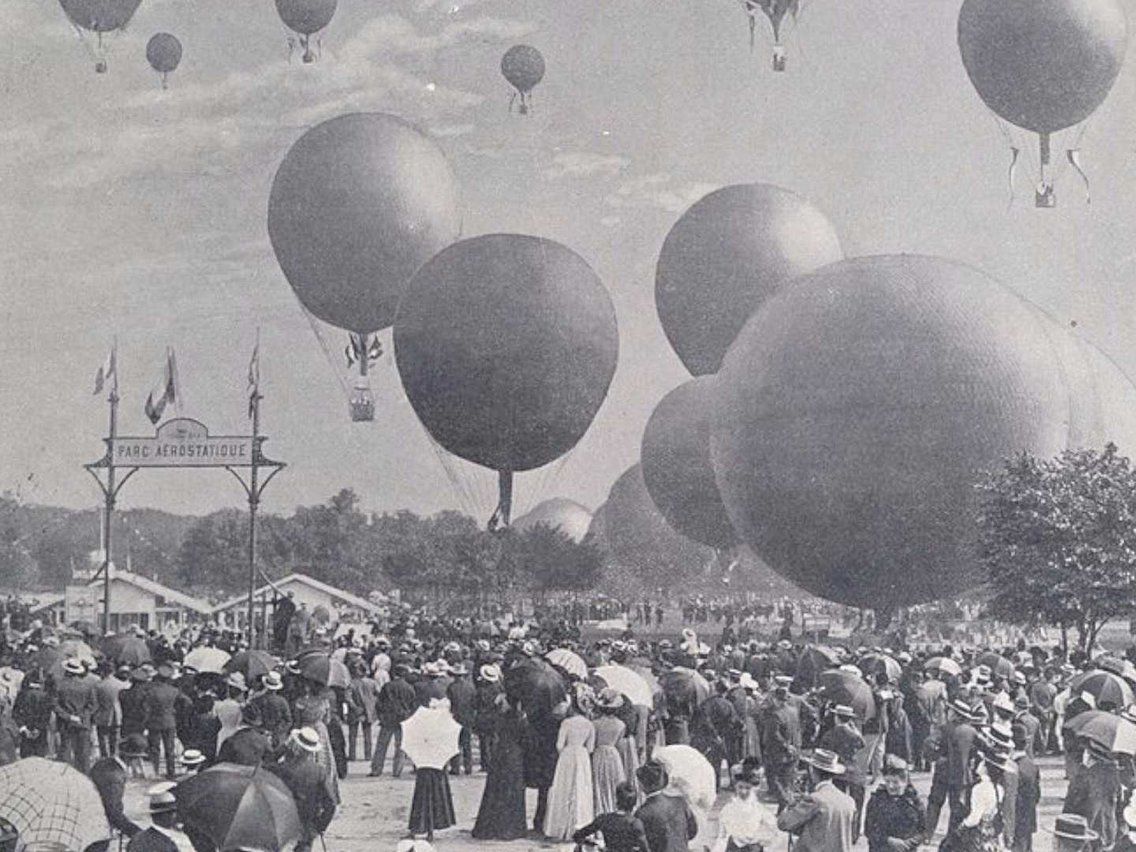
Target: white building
340,605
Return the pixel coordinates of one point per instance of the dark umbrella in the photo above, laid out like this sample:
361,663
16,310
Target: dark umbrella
874,664
841,687
251,664
536,685
239,807
86,628
319,666
814,660
45,658
127,650
999,666
1102,686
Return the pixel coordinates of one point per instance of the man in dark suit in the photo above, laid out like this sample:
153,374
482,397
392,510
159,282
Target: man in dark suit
397,701
1029,792
163,812
715,725
159,707
108,774
31,713
130,701
304,777
959,740
463,706
781,742
667,821
75,706
275,714
249,745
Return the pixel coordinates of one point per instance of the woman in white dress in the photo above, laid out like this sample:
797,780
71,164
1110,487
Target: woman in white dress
570,798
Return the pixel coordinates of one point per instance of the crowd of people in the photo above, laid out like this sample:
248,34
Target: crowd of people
796,735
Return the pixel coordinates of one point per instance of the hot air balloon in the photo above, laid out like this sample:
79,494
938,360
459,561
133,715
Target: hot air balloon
641,541
729,252
675,456
776,11
163,52
506,345
856,411
306,18
102,18
568,516
359,203
1043,65
523,66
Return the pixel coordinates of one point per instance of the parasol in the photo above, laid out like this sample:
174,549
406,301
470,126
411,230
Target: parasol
207,660
999,666
51,803
1111,731
840,687
874,664
127,650
430,736
814,660
628,682
943,666
1117,666
570,661
239,807
1103,687
45,658
322,668
537,686
690,772
251,664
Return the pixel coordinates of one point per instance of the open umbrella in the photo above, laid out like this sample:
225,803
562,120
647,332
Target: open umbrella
999,666
85,628
841,687
814,659
690,772
251,664
239,807
430,736
207,660
537,686
45,658
570,661
1103,687
51,803
1117,666
943,666
321,667
644,671
76,648
127,650
628,682
874,664
1111,731
679,682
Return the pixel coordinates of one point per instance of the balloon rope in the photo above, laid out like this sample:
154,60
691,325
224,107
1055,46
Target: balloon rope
331,360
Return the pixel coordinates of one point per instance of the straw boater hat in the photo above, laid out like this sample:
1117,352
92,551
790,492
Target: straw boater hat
489,673
272,681
843,711
292,667
1074,827
73,666
826,761
237,681
305,738
963,709
161,798
192,757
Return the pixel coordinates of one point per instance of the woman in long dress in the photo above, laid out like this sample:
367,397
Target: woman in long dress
570,803
607,764
311,710
501,815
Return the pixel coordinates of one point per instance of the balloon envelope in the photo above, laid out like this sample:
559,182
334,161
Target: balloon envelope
163,52
306,16
523,66
675,455
506,345
856,411
725,256
358,205
568,516
100,16
1043,65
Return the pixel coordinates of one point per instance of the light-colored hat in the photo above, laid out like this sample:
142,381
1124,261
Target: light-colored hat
272,681
826,761
161,798
237,681
73,666
1002,702
489,673
609,699
306,738
844,711
1075,827
192,757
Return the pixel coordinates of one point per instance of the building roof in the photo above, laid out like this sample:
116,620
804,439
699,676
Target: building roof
156,588
38,602
338,594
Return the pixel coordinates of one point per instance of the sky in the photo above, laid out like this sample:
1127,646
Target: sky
136,214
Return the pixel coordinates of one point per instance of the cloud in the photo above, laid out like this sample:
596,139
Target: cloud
446,7
581,164
658,191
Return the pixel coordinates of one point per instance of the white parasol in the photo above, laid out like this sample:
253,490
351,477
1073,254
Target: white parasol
627,681
430,736
207,660
690,773
570,661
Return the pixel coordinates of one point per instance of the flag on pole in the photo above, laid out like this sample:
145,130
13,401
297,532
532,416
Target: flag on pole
165,391
254,379
107,374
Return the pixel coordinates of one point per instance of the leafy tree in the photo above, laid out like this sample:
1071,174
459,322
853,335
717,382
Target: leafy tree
553,562
1058,539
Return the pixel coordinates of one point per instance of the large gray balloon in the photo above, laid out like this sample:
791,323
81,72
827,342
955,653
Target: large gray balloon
675,455
856,411
562,514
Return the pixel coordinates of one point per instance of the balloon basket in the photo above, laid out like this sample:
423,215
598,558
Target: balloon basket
100,67
1045,198
362,405
780,59
309,57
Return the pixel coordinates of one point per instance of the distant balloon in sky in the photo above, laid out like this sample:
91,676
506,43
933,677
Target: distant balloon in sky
100,18
506,345
359,203
163,52
523,66
306,18
858,408
775,11
675,456
1043,65
567,516
725,255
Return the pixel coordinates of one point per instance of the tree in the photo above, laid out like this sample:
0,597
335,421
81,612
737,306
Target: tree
1058,539
554,562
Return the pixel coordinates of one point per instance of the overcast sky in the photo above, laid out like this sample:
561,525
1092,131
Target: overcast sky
130,211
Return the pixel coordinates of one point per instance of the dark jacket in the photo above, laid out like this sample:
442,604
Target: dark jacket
306,779
246,746
151,840
75,700
159,706
781,734
1029,796
1093,793
275,715
621,833
109,777
668,823
32,710
397,702
893,816
714,724
463,701
959,740
130,700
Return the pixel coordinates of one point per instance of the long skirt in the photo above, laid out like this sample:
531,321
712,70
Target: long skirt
432,808
630,754
570,797
607,774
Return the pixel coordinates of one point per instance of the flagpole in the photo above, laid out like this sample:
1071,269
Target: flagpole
254,499
108,511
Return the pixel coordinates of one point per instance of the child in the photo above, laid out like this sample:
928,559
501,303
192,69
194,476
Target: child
621,830
744,824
